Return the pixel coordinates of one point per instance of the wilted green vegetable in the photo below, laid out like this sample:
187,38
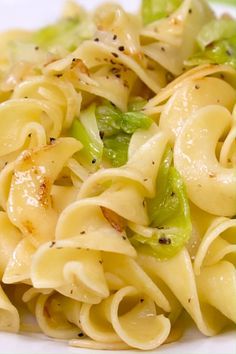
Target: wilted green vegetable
169,214
153,10
116,129
86,131
116,149
66,33
216,30
217,42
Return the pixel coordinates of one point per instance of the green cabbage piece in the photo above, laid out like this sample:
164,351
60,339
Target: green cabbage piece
153,10
67,33
116,129
136,104
116,149
105,132
217,42
86,131
220,52
169,214
216,30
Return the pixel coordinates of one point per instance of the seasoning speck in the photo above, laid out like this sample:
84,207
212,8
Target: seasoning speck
115,55
121,48
80,334
94,161
164,240
52,244
52,140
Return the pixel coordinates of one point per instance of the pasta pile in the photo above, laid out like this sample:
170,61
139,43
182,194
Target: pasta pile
117,178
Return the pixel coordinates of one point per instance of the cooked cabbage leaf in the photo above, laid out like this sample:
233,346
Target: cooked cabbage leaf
216,30
66,33
86,131
116,149
169,214
153,10
217,42
116,129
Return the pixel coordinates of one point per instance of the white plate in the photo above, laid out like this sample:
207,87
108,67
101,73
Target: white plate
32,14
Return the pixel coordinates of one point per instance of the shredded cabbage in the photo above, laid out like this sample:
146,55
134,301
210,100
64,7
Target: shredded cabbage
86,131
105,132
66,33
216,30
116,129
217,42
153,10
169,214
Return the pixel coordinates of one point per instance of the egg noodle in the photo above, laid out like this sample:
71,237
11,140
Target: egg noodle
118,175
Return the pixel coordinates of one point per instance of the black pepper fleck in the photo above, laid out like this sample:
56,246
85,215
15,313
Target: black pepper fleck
52,244
121,48
52,140
94,161
164,241
115,55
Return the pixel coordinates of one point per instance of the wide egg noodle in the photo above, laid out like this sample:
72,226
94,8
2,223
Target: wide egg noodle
217,243
59,92
66,260
35,171
9,317
141,314
175,36
210,186
183,285
199,72
55,316
192,96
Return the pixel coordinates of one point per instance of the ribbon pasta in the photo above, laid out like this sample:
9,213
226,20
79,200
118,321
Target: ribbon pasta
68,260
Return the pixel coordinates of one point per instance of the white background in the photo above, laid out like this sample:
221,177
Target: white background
32,14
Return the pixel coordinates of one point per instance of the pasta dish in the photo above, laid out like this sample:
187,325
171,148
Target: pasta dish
118,175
